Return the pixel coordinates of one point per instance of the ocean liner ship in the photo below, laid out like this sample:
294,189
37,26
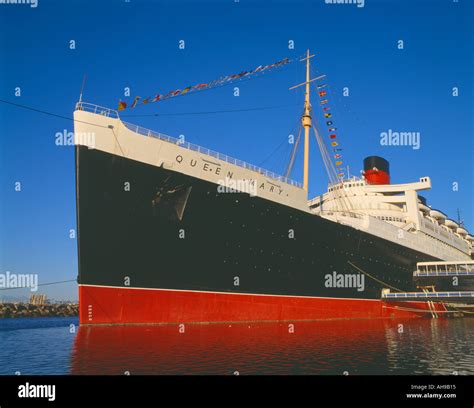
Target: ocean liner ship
159,242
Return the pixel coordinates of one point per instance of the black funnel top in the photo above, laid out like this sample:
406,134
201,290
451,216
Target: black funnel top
375,161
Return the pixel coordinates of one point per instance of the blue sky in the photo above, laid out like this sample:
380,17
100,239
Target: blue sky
135,44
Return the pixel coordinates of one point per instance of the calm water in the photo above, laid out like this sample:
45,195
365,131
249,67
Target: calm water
418,346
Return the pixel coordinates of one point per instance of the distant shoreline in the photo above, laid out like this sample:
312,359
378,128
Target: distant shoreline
19,310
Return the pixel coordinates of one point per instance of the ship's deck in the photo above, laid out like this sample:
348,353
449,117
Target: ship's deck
99,110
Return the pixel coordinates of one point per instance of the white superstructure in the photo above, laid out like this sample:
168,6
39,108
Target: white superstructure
394,212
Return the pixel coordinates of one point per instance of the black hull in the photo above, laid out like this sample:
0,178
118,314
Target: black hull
168,230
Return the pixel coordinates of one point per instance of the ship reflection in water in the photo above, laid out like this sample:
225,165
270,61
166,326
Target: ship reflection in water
416,346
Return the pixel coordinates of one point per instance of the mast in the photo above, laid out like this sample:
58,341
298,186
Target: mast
460,222
307,123
82,87
306,120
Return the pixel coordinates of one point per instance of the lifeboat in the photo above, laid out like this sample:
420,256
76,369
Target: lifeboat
470,238
461,231
432,219
451,224
437,215
424,208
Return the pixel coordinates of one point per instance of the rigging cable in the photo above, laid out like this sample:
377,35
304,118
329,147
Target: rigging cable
235,81
43,284
374,278
291,163
339,195
285,139
48,113
155,114
209,112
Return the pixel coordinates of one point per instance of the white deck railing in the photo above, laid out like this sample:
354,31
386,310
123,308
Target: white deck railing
428,295
444,268
99,110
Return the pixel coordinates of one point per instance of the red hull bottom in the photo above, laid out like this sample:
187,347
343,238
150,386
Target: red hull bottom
114,305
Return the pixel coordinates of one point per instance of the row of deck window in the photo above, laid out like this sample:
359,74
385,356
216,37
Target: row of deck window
346,185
